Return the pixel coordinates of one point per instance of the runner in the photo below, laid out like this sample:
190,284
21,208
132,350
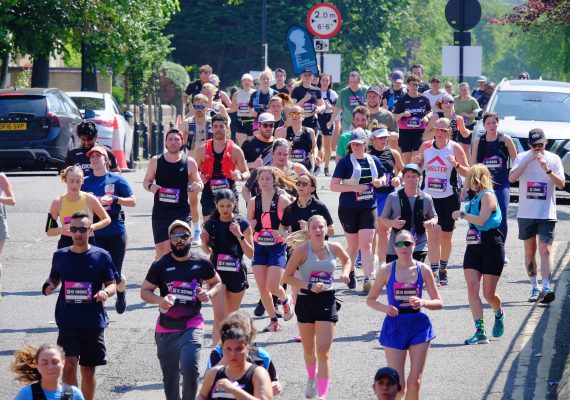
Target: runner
179,276
391,96
382,116
406,328
43,366
434,94
74,200
259,100
197,128
221,163
329,96
443,160
240,104
238,378
214,107
171,177
280,77
449,88
311,270
386,384
480,91
412,112
349,98
7,198
87,133
484,99
257,150
265,212
86,274
360,119
356,177
465,105
226,238
276,107
114,192
392,162
220,94
459,133
539,173
485,254
194,88
418,70
303,139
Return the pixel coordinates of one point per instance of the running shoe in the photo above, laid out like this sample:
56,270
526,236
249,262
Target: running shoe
259,309
534,293
436,275
351,280
499,326
366,285
327,173
443,277
121,303
272,327
507,261
311,389
546,296
480,337
288,310
316,171
358,261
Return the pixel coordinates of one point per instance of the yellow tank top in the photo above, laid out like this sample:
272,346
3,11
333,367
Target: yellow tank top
68,208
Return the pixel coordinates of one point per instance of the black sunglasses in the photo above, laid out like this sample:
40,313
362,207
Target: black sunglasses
537,145
180,235
82,229
403,243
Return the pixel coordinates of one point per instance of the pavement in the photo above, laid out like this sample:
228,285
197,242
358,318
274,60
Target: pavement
526,363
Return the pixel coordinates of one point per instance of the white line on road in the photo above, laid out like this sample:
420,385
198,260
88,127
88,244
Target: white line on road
33,244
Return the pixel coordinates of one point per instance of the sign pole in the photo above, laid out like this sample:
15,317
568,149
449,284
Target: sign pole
461,24
264,35
322,71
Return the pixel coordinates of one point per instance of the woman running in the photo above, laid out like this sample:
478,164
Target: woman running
227,237
303,139
265,212
74,200
459,133
237,378
329,96
465,106
240,101
44,367
311,270
406,328
485,253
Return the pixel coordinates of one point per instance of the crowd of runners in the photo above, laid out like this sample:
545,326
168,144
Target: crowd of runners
406,157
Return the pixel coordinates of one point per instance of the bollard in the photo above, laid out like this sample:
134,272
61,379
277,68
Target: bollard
160,137
144,132
136,138
154,142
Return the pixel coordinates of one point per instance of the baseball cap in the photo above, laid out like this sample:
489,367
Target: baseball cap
247,76
435,79
266,117
536,135
397,76
390,373
482,78
374,89
178,223
98,149
411,167
358,136
382,132
307,70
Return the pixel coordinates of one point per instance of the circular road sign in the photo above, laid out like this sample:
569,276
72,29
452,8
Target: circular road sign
471,14
324,20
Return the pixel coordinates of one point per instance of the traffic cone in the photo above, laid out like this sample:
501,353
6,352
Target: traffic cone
117,148
178,121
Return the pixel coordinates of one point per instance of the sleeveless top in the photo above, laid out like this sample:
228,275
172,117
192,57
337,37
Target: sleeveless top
389,162
68,208
245,383
173,181
313,270
495,156
301,146
267,221
474,207
242,100
399,293
441,177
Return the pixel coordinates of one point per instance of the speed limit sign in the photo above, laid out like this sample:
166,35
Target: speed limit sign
324,20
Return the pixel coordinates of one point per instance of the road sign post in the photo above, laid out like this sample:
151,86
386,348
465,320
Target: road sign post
324,21
462,15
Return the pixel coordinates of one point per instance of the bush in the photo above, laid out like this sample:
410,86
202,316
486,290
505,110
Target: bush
118,93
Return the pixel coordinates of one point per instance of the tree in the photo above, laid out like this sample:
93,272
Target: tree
541,14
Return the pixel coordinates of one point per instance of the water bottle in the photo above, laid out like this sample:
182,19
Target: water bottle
171,299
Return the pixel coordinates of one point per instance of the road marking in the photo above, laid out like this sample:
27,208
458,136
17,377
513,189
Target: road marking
32,244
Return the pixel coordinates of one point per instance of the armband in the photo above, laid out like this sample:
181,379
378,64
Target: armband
50,223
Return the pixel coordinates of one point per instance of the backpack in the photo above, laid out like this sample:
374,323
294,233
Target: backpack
38,393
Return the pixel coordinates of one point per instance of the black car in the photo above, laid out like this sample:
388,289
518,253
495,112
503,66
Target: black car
37,127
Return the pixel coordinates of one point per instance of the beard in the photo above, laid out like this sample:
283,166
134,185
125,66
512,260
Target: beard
183,252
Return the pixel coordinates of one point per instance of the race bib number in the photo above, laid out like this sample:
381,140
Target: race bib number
78,292
389,177
218,184
355,101
473,236
243,109
437,184
403,291
298,155
494,162
167,195
308,108
228,263
326,278
414,122
265,238
185,291
536,190
109,191
368,194
220,393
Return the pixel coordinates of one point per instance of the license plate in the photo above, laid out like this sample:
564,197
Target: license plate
13,126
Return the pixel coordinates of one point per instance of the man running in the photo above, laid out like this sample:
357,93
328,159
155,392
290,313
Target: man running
280,77
418,70
390,96
194,88
360,119
349,98
383,116
87,132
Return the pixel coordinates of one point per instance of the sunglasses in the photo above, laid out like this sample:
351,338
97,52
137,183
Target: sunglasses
403,243
443,130
268,125
294,113
301,183
448,101
198,107
414,84
81,229
181,235
537,145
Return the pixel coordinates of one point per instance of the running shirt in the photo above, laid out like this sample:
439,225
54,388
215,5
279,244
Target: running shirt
537,197
242,100
301,147
313,270
392,96
386,118
419,107
110,184
194,88
345,171
183,280
388,162
245,383
474,208
227,254
399,293
284,89
79,157
26,394
342,144
347,101
173,181
438,170
218,181
330,97
82,275
254,148
68,208
495,156
466,106
259,101
477,94
433,98
299,93
293,214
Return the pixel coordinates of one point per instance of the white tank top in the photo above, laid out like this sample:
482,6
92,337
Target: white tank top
438,170
242,100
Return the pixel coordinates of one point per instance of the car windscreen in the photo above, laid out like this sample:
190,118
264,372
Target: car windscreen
89,103
10,105
532,106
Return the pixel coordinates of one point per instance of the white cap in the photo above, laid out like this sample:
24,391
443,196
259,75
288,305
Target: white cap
266,117
382,132
247,76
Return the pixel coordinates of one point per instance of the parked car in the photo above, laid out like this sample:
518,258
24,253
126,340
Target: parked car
37,127
102,109
526,104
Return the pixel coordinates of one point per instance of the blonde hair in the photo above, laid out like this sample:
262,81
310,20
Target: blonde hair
200,98
267,73
297,238
25,362
72,169
479,175
210,86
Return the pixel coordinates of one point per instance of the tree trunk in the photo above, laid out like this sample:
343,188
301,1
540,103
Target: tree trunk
40,72
5,58
88,69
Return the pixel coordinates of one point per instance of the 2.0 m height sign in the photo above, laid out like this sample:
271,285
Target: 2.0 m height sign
324,20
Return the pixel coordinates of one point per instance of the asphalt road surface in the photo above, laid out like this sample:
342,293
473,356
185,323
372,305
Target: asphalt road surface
525,363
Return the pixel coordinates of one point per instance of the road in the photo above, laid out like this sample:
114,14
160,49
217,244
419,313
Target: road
519,365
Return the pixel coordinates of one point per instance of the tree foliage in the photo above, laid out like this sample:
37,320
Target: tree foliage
541,14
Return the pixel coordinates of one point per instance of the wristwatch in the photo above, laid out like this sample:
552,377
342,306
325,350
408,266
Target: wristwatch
462,214
242,237
548,172
309,286
149,186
